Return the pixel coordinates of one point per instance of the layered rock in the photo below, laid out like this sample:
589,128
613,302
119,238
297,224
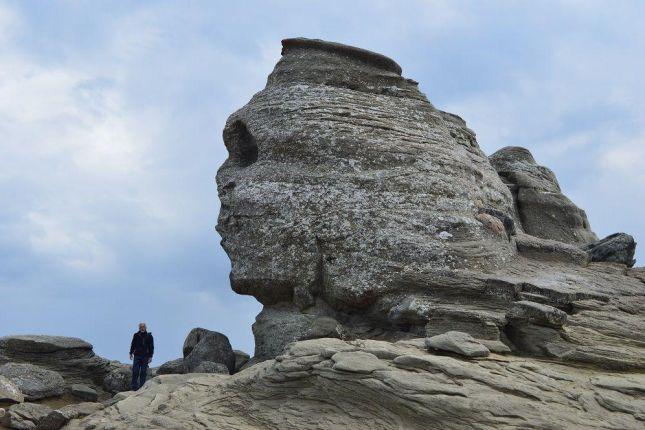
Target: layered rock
331,384
540,207
71,357
353,208
341,178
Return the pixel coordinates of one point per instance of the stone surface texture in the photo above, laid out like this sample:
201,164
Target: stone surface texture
616,248
540,207
459,343
333,384
25,416
71,357
9,392
34,382
353,208
206,345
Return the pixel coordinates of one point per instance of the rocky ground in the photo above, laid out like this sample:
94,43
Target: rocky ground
408,281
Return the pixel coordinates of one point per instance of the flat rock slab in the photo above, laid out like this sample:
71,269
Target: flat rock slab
84,392
41,344
304,389
459,343
357,362
9,392
536,313
33,381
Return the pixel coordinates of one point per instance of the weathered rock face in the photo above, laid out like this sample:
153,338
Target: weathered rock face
332,384
10,392
352,208
73,358
34,382
203,345
341,177
616,248
540,207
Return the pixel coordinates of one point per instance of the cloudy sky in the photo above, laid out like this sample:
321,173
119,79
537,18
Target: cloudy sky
110,136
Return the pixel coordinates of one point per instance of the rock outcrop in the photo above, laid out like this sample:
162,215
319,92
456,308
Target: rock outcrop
540,207
353,208
342,180
72,358
34,382
332,384
616,248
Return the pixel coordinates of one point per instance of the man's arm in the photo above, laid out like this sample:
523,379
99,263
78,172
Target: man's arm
151,347
132,346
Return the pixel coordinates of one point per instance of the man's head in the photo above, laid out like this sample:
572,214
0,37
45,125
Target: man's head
142,327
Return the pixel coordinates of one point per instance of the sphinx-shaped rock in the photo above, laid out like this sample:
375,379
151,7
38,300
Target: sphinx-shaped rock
541,208
354,209
341,176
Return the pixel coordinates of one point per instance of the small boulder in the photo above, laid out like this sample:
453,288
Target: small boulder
211,367
56,419
241,358
84,392
33,381
357,362
9,392
172,367
25,416
206,345
457,342
120,377
535,313
616,248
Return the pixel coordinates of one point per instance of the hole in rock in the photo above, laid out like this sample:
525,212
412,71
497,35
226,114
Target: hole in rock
241,144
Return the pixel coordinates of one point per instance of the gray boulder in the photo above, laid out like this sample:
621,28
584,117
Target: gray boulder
241,358
25,416
9,392
120,377
71,357
541,208
458,343
616,248
33,381
84,392
211,367
172,367
57,418
206,345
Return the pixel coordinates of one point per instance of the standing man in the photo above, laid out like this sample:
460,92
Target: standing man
141,350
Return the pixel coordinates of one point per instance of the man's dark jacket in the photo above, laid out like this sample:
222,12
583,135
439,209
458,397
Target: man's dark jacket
142,344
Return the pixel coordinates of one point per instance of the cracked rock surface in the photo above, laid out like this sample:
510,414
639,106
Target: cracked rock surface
329,383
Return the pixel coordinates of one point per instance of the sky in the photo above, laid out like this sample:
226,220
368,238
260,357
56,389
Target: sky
110,136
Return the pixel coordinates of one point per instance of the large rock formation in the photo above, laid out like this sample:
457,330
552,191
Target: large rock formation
342,180
540,207
353,208
332,384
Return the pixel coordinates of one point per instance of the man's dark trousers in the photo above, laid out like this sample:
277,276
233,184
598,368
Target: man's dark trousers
139,371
